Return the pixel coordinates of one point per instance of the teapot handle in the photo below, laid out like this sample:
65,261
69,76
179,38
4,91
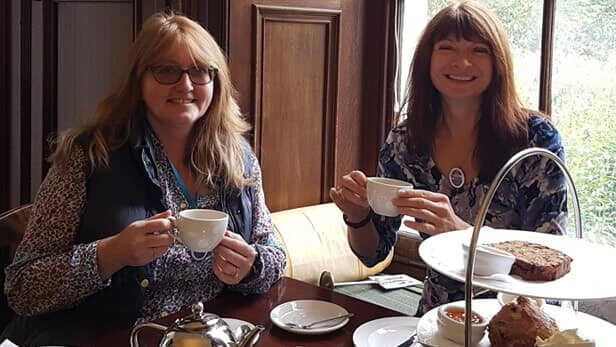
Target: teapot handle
251,338
134,339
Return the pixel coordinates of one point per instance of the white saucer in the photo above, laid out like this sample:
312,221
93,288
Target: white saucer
390,331
307,311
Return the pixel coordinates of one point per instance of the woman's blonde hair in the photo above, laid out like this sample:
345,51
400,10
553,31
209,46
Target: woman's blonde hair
214,150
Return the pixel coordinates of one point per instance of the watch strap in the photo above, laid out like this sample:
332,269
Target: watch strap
359,224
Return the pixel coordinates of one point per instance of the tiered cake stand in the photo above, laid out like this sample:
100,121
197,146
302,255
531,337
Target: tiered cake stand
589,278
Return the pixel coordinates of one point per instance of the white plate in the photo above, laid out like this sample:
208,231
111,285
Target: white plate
588,326
390,331
307,311
585,281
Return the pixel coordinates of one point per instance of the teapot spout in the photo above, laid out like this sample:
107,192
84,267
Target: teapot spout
251,337
134,338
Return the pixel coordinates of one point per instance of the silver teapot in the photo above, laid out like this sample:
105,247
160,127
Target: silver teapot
201,329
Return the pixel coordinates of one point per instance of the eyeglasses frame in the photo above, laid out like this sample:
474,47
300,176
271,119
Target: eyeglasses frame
210,70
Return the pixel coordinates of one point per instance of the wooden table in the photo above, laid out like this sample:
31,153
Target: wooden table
256,308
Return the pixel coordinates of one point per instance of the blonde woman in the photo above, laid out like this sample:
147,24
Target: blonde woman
168,138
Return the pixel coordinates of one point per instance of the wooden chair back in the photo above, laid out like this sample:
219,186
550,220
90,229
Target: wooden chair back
12,228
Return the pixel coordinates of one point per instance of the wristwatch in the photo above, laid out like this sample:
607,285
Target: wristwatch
359,224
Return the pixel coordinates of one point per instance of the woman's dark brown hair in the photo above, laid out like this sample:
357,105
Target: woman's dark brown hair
502,123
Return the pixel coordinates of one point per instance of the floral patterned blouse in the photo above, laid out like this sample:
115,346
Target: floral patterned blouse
50,272
531,197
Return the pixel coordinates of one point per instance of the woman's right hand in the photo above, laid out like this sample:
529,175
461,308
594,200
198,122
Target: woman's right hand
350,196
138,244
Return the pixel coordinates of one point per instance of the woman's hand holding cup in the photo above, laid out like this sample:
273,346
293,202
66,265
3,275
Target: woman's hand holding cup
233,258
350,196
432,211
138,244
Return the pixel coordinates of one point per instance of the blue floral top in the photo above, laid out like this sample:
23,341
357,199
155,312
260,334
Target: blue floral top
531,197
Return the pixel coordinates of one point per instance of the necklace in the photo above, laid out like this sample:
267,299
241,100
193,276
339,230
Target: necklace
190,200
456,177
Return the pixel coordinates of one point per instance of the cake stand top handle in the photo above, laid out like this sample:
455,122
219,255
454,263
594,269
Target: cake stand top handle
483,210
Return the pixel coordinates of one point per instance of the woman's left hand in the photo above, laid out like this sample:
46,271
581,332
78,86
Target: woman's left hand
233,258
432,211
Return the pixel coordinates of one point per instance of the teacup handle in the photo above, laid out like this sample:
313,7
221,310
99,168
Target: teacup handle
173,221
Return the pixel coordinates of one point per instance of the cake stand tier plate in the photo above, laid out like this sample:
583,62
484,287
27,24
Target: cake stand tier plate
588,326
590,277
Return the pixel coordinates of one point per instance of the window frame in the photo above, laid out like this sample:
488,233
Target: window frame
545,69
547,45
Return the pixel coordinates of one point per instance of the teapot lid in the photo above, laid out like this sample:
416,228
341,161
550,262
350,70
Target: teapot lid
196,321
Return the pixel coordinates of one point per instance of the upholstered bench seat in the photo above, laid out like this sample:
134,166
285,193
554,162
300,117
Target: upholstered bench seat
315,240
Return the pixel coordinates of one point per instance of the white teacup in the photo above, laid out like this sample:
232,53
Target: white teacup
200,230
381,191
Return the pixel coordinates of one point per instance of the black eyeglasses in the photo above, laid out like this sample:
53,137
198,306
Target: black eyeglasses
171,74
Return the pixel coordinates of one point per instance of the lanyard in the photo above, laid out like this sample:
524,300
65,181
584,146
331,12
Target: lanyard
192,201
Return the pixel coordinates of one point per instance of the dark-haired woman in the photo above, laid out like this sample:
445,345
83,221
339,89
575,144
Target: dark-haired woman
464,122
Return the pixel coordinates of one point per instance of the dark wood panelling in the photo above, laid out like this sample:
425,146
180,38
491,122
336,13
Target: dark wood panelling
241,44
218,22
378,76
295,85
26,105
137,16
363,107
5,105
211,14
146,9
50,82
89,64
84,46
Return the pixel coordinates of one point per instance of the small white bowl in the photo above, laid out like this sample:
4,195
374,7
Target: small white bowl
505,298
454,329
489,260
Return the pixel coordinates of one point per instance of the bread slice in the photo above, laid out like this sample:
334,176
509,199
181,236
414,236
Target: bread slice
534,262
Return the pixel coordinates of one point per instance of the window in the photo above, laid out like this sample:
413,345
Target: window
522,20
583,97
583,104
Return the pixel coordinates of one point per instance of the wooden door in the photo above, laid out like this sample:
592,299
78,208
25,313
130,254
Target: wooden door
312,78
